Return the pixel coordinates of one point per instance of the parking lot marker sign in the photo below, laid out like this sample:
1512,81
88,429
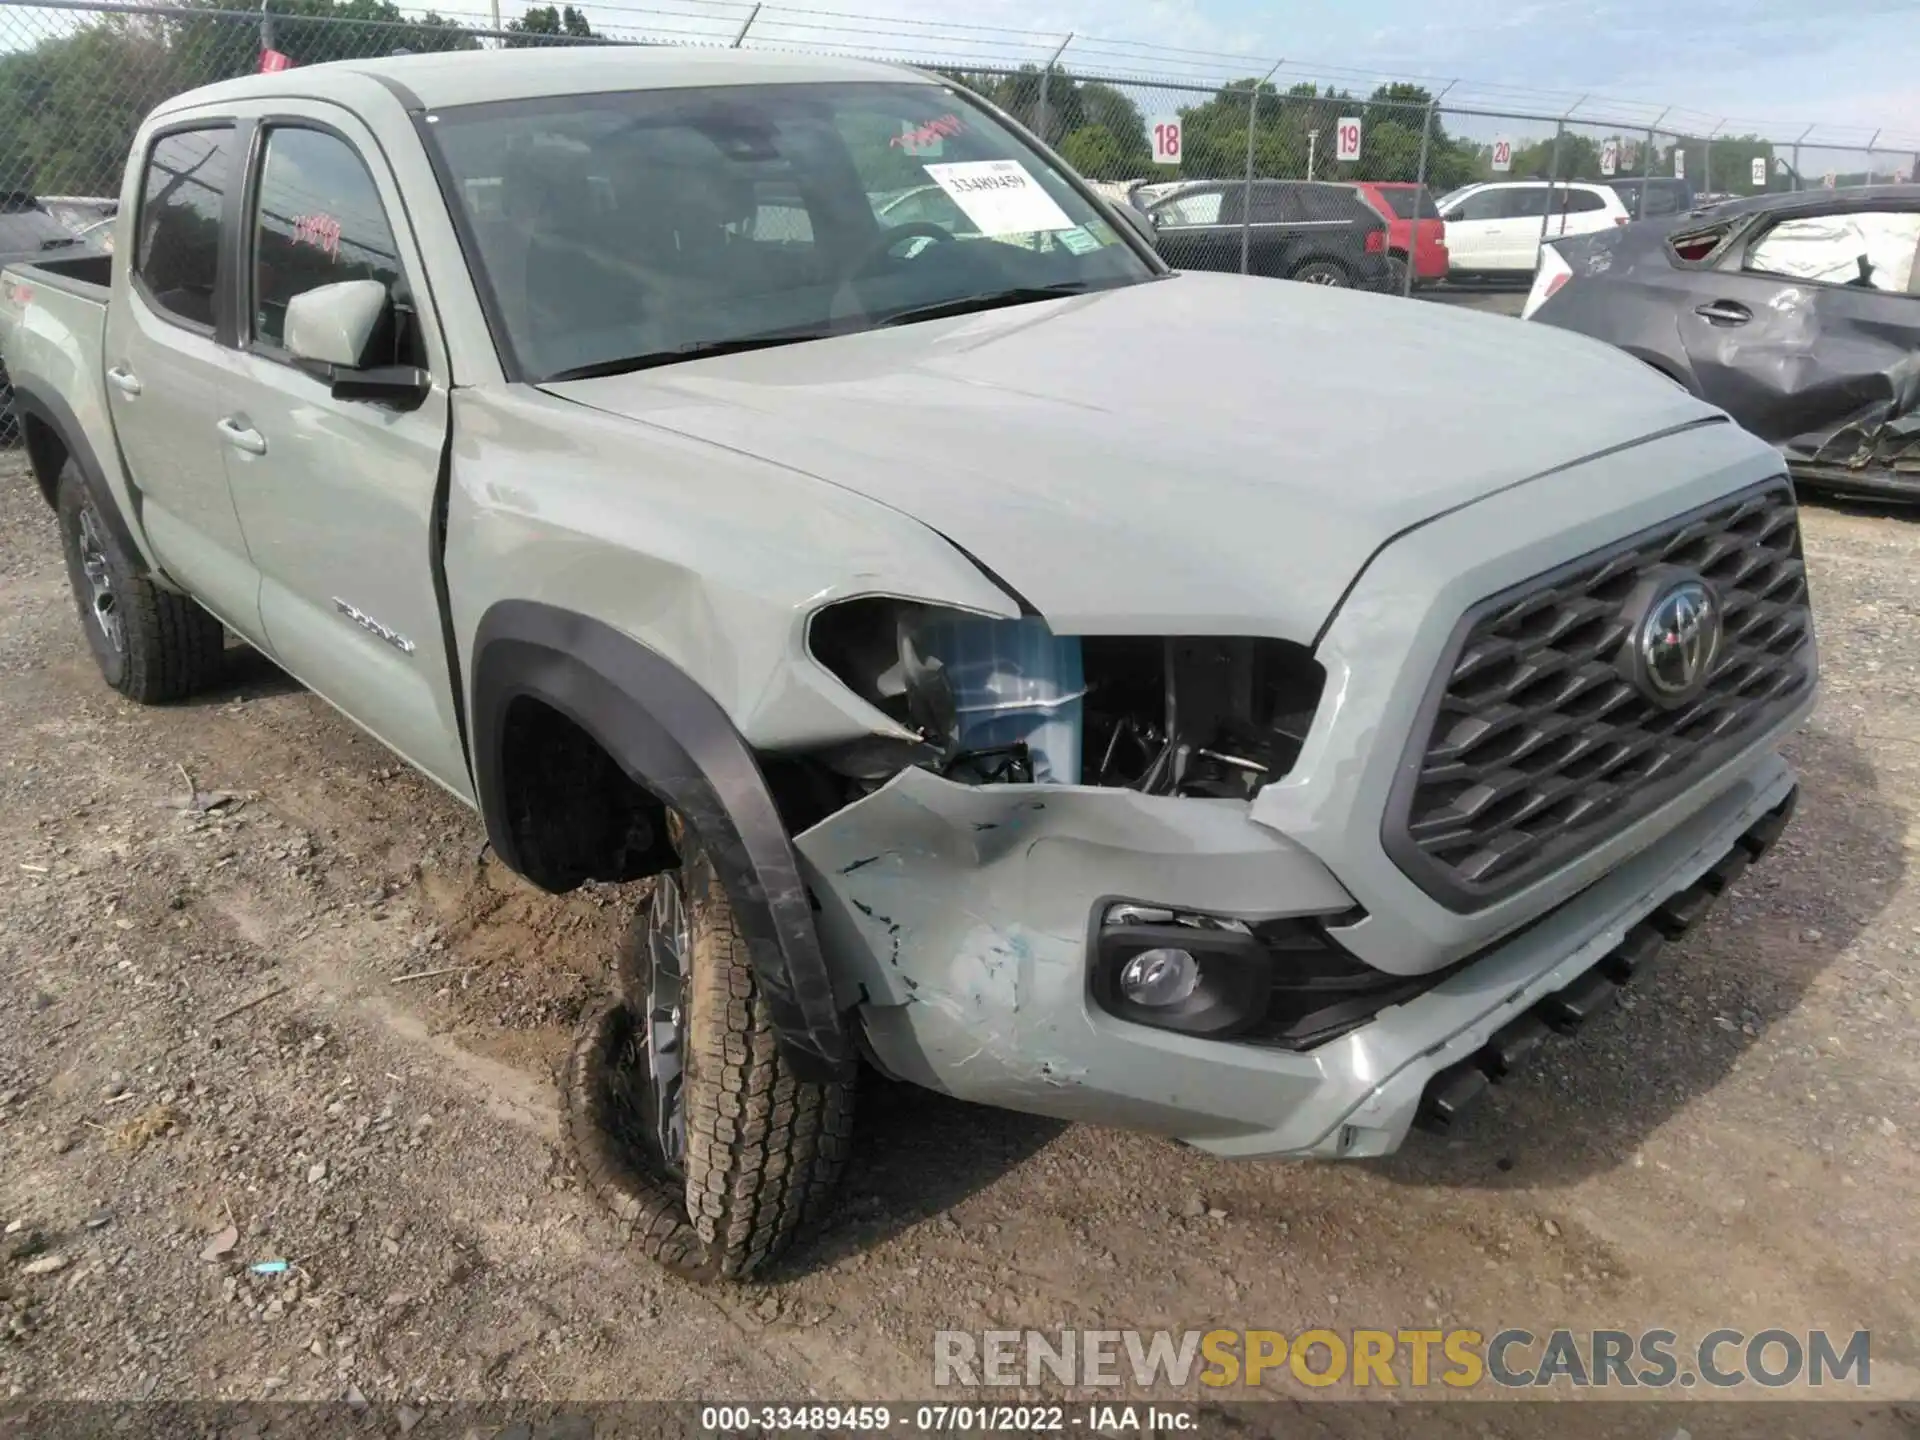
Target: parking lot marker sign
1502,155
1166,139
1609,156
1679,163
1348,138
1760,172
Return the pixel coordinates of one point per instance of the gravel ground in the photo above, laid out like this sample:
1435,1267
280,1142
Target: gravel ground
264,1000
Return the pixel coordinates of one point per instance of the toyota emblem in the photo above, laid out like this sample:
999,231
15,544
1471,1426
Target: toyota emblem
1679,640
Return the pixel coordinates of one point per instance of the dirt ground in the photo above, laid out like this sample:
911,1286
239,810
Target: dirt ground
255,974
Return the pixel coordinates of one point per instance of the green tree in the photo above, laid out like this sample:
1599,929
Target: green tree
1113,111
543,23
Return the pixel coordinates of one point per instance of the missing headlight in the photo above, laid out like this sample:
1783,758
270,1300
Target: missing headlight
996,701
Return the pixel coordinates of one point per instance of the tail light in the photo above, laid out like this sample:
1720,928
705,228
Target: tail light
1376,242
1621,219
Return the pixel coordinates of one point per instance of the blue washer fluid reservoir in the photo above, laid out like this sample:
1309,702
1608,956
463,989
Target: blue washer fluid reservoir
1013,682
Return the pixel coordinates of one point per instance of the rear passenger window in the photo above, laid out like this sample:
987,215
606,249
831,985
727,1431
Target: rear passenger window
177,255
318,220
1581,200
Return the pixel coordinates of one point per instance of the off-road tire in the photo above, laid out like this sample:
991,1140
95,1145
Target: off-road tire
170,648
764,1150
1322,272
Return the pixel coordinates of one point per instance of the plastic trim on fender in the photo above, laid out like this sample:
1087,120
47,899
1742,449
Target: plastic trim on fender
675,741
54,413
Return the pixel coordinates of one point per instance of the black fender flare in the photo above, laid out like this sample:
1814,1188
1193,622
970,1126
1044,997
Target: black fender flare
44,408
673,740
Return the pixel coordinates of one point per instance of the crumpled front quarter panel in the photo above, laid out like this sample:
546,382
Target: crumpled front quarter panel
712,559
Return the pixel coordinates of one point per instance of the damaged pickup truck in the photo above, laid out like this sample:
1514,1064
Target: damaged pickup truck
1797,314
995,648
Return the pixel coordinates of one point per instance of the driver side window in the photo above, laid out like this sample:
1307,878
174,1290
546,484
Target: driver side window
318,220
1484,205
1862,249
1201,208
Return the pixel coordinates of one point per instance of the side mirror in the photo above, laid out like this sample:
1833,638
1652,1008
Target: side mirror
1453,214
332,326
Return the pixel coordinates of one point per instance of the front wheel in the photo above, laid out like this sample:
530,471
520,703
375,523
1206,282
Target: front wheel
687,1122
1322,272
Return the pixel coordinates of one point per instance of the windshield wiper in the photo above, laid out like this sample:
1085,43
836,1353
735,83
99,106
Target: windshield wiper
973,304
697,350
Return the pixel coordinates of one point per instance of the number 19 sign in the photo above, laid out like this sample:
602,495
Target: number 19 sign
1347,138
1166,140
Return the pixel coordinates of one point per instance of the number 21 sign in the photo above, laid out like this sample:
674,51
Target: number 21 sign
1347,138
1166,140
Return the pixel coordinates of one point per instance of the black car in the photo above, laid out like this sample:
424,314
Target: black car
27,232
1317,232
1649,197
1797,314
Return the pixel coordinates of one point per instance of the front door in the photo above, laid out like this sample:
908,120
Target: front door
337,497
1191,233
1473,228
168,370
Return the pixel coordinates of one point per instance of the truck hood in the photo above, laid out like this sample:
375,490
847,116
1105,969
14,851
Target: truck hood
1199,455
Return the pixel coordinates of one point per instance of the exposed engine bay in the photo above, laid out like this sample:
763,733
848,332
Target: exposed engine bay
994,701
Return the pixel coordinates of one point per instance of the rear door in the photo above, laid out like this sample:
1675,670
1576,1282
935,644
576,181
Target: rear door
338,497
1797,327
167,368
1517,242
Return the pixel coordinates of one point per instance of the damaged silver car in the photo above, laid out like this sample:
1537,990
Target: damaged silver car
1797,314
1003,656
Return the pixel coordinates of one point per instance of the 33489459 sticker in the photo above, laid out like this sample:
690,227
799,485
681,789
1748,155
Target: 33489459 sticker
1000,196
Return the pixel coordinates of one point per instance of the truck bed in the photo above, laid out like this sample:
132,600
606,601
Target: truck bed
53,321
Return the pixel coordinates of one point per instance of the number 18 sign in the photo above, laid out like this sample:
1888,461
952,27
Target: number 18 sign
1166,139
1347,138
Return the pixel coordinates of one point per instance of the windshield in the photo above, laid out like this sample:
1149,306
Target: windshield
636,227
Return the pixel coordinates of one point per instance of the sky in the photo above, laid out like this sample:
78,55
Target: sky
1852,66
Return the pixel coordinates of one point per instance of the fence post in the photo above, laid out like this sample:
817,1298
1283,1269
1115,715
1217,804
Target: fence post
1706,164
1870,145
1419,192
1246,198
1553,178
740,38
1040,128
1646,160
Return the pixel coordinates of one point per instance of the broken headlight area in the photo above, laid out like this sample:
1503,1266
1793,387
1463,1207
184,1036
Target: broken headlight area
999,701
1284,983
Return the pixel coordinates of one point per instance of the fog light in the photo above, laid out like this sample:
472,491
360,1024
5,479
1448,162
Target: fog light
1157,978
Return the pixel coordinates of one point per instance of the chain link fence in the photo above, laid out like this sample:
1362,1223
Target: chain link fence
76,77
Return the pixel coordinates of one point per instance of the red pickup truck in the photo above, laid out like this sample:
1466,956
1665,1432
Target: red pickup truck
1414,227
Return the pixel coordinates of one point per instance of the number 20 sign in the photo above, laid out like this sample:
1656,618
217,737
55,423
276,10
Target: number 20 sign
1347,139
1166,140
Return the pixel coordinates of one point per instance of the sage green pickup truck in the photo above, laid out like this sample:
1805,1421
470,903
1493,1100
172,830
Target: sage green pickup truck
1014,665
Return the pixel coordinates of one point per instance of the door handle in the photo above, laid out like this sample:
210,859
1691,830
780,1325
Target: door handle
123,380
1725,312
241,437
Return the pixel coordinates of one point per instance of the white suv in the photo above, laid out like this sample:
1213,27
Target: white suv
1496,229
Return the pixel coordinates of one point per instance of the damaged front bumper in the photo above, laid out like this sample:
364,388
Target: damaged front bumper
961,921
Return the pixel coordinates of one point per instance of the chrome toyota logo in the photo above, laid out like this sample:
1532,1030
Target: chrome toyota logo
1679,639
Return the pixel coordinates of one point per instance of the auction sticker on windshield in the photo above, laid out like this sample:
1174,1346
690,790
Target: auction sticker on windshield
999,196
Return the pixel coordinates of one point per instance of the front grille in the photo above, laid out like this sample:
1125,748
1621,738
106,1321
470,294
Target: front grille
1535,746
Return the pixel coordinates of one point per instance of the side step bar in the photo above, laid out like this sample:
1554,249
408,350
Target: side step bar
1451,1091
